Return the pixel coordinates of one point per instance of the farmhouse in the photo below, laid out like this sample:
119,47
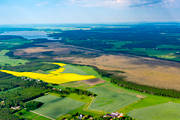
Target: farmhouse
114,115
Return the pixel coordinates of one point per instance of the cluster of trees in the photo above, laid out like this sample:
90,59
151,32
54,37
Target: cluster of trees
14,100
6,114
18,96
120,81
66,91
32,105
9,81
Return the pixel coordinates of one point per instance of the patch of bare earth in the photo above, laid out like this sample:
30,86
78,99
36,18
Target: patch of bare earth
41,49
56,49
93,81
146,71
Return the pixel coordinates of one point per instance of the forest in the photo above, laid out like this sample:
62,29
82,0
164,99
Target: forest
141,39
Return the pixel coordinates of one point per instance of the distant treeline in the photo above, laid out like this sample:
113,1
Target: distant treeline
12,29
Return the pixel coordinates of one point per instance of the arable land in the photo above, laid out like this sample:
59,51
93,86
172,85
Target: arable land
90,72
141,70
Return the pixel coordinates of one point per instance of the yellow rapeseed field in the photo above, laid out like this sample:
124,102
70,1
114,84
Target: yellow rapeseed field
55,77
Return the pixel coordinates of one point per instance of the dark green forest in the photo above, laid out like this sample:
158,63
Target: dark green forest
152,40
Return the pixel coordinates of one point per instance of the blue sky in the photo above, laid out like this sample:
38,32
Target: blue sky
87,11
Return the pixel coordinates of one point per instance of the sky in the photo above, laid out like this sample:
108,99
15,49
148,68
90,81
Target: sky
88,11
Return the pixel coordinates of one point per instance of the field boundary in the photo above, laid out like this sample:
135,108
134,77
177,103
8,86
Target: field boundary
43,115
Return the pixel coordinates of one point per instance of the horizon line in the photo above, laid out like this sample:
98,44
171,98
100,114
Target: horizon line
88,23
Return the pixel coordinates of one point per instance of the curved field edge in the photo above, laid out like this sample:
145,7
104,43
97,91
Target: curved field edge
55,77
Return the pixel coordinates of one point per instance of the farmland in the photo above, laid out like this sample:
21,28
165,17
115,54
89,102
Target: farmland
141,70
110,99
56,106
165,111
55,77
91,72
31,116
82,70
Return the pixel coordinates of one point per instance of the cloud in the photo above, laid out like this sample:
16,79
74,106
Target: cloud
141,3
121,3
146,3
100,3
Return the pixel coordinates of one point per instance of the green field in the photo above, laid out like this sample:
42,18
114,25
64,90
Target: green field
55,106
82,70
5,60
111,98
167,111
31,115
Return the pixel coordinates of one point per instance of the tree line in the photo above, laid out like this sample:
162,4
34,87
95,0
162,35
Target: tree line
121,81
68,90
